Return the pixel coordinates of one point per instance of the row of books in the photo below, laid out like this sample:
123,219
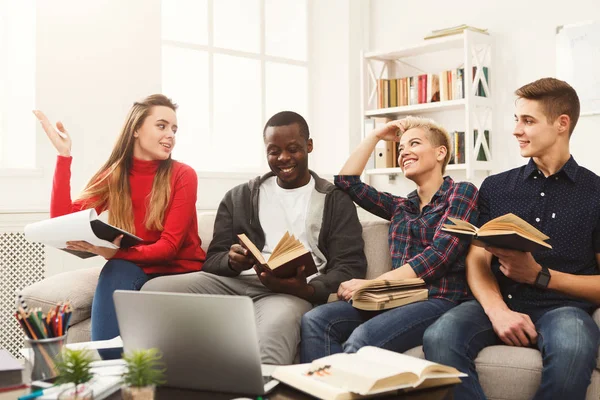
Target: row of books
457,147
426,88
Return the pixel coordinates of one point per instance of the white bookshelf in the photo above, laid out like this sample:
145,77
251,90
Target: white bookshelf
466,50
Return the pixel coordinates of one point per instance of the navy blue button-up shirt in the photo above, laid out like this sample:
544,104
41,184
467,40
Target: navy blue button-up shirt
564,206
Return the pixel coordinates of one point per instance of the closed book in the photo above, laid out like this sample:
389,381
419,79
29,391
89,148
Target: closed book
505,232
11,372
380,294
393,92
287,256
413,90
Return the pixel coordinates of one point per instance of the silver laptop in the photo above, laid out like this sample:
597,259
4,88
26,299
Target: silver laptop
208,342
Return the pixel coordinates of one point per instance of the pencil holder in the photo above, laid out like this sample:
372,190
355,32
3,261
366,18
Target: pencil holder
42,354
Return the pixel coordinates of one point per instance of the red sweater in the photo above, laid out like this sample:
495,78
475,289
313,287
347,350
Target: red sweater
176,248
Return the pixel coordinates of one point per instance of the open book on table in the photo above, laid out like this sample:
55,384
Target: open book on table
386,294
365,373
506,232
288,255
79,226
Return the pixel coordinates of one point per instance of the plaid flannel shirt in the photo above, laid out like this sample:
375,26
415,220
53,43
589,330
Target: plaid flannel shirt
415,235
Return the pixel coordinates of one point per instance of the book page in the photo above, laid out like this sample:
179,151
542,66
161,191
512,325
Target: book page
280,244
511,221
400,362
354,373
251,247
56,232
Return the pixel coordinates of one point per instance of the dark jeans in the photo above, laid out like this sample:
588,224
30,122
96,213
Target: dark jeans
116,274
339,327
568,339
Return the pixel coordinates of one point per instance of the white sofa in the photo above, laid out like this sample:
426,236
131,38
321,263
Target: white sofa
505,372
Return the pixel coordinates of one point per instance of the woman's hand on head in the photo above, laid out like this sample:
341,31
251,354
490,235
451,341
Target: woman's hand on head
390,131
58,136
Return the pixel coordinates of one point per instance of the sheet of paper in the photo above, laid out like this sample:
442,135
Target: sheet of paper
113,343
56,232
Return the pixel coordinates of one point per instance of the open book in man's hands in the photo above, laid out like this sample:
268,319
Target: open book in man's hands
506,232
367,372
79,226
385,294
288,255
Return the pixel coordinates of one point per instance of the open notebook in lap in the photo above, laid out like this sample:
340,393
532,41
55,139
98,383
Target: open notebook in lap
208,342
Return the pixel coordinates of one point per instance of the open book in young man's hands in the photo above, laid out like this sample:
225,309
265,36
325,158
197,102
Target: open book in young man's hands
367,372
288,255
386,294
506,232
79,226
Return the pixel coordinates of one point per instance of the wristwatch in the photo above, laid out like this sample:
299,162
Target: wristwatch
543,279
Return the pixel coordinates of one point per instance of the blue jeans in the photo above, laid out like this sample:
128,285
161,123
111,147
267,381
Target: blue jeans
116,274
568,339
339,327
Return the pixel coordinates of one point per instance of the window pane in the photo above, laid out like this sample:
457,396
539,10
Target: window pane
185,80
185,21
285,28
237,25
17,84
237,134
287,88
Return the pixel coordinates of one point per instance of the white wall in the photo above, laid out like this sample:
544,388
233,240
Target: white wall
524,33
93,59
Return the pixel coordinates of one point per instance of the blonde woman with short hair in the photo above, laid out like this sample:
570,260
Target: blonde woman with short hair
147,193
417,245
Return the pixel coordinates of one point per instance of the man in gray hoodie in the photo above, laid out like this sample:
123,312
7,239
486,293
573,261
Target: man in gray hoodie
289,198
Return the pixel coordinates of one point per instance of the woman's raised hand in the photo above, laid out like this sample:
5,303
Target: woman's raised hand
390,131
60,138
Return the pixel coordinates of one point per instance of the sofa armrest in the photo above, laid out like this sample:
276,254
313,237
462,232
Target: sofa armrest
77,287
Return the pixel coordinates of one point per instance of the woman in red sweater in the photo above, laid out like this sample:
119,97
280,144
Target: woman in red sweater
147,193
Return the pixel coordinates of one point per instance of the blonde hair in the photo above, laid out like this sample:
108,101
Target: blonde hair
437,134
109,187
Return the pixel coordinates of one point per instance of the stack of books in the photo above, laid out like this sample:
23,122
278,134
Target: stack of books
454,31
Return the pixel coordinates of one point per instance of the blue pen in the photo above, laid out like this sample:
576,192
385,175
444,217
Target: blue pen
41,392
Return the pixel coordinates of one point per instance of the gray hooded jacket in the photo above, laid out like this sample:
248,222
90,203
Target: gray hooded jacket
332,227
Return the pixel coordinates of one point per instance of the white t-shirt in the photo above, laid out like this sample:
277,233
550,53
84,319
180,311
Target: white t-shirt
281,210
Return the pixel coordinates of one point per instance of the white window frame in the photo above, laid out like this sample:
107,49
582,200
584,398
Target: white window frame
211,50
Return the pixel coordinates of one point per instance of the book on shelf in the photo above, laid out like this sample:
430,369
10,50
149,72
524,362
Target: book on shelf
380,294
78,226
454,30
368,372
507,232
457,152
384,150
287,256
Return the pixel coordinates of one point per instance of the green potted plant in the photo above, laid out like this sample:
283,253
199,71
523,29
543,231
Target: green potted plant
144,371
73,366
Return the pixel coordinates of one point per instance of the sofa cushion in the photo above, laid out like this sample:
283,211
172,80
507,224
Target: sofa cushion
377,251
520,366
206,225
77,287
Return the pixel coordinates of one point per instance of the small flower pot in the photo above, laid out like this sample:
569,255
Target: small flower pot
138,393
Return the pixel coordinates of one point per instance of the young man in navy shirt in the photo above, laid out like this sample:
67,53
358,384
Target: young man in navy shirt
543,299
